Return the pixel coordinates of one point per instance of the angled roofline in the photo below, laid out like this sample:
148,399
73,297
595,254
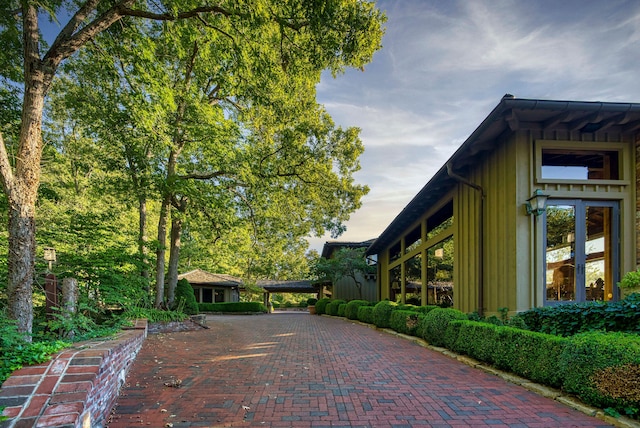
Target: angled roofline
508,103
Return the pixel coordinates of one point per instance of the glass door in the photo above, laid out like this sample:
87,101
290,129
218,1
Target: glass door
581,250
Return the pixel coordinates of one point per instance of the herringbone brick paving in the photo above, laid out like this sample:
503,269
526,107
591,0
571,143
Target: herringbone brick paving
298,370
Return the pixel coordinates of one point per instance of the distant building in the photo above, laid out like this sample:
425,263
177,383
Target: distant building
213,287
345,288
474,235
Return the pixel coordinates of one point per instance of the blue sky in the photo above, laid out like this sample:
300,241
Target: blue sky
445,64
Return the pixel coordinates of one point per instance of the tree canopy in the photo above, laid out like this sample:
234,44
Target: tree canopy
205,112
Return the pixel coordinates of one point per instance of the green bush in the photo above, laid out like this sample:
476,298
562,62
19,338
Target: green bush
532,355
405,322
351,312
433,326
570,319
425,309
602,369
321,305
333,306
232,307
185,298
382,313
311,301
342,307
365,314
16,352
529,354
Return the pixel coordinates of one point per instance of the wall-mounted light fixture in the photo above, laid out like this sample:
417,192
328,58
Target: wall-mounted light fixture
536,203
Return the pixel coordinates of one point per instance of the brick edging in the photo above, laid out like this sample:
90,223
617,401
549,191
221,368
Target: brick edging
78,387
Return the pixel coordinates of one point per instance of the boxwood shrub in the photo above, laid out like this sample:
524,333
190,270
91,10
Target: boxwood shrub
535,356
321,305
603,370
434,324
405,322
351,312
232,307
382,313
365,314
333,306
342,307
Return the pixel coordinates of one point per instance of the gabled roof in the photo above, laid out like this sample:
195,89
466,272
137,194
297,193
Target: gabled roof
331,246
201,277
510,115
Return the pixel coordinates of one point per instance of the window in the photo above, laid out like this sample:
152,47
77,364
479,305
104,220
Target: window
581,253
578,165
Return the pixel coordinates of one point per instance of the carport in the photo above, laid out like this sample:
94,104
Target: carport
300,286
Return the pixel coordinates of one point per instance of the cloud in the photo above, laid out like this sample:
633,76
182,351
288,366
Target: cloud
445,65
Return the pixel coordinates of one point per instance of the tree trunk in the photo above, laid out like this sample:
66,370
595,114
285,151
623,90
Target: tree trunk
143,240
174,258
21,187
160,251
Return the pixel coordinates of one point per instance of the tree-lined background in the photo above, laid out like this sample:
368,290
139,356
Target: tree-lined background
151,138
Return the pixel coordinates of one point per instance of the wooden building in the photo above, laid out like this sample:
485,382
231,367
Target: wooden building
345,288
473,235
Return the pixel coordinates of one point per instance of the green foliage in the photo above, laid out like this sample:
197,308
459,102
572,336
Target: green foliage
333,307
342,309
232,307
600,367
351,311
405,321
365,314
630,280
321,305
532,355
185,298
153,314
382,313
77,326
16,352
570,319
433,326
311,301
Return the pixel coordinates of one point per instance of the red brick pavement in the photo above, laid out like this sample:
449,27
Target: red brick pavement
297,370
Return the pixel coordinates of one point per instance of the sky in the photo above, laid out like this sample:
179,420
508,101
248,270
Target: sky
445,64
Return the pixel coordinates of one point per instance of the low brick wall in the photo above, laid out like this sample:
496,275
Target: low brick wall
77,388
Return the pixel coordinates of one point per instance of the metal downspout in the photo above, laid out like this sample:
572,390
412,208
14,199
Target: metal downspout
480,234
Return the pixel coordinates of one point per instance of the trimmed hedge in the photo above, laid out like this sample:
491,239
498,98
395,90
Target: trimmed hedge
351,312
342,307
433,325
603,370
405,322
232,307
333,306
382,313
532,355
321,305
365,314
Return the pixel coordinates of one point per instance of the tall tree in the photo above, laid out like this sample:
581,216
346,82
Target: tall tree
337,34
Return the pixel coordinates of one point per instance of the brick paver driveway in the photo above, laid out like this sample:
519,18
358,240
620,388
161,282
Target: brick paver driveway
298,370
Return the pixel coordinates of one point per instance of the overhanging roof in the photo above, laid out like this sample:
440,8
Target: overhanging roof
510,115
330,246
201,277
287,286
